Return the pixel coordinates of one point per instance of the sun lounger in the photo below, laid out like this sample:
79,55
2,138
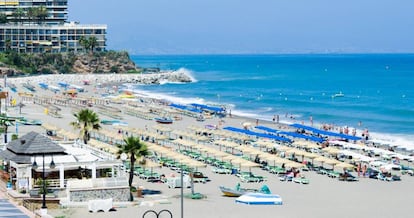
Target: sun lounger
333,174
301,180
277,170
286,178
251,178
220,170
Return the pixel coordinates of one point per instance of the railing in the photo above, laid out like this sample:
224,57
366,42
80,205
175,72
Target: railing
110,182
33,204
51,183
30,205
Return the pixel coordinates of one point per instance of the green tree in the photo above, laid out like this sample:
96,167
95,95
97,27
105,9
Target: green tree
31,14
3,18
86,121
42,188
84,42
135,149
8,44
5,122
18,14
41,13
93,42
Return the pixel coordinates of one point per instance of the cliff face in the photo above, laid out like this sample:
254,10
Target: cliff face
115,63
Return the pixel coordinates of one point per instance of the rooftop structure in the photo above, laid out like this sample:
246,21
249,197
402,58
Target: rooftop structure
36,26
34,11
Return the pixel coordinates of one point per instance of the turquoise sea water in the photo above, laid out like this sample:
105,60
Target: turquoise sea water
378,89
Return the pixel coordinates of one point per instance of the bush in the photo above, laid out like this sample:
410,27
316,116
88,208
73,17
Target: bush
14,136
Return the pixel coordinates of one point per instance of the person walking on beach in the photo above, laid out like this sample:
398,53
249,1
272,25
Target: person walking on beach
311,120
257,122
364,170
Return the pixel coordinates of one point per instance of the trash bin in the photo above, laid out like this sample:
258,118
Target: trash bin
233,171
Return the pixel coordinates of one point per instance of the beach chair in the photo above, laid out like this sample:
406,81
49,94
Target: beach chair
278,170
251,178
301,180
381,177
286,178
333,174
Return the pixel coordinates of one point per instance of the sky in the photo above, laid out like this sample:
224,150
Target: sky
251,26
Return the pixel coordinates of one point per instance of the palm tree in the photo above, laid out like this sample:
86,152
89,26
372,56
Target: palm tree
86,120
31,14
135,149
93,42
84,42
18,14
42,13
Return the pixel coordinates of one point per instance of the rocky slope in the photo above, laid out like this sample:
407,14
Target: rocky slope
119,63
15,64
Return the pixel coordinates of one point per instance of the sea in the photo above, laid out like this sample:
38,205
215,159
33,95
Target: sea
361,91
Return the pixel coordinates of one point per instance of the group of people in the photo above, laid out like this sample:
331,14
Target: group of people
361,169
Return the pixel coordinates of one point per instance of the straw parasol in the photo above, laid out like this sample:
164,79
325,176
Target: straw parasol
343,165
331,150
49,126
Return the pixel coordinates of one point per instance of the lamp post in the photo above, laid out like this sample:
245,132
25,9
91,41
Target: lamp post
182,190
51,166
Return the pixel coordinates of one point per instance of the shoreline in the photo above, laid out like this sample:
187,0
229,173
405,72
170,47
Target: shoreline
110,81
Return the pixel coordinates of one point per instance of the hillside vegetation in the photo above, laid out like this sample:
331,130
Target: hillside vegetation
17,64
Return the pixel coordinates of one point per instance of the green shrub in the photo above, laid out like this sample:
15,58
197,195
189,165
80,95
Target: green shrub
14,136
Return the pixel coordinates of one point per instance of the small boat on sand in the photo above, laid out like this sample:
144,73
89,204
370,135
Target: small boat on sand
231,192
163,120
239,191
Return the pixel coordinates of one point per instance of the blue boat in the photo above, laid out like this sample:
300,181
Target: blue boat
259,199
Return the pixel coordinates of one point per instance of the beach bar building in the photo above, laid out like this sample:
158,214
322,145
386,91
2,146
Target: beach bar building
35,26
70,171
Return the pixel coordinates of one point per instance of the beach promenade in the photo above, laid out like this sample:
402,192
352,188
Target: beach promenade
322,197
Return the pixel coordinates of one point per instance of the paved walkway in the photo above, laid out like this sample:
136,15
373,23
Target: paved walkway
7,209
11,209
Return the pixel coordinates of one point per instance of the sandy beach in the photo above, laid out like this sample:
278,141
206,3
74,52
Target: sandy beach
323,197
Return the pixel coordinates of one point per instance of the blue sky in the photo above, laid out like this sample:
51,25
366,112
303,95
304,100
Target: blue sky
247,26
